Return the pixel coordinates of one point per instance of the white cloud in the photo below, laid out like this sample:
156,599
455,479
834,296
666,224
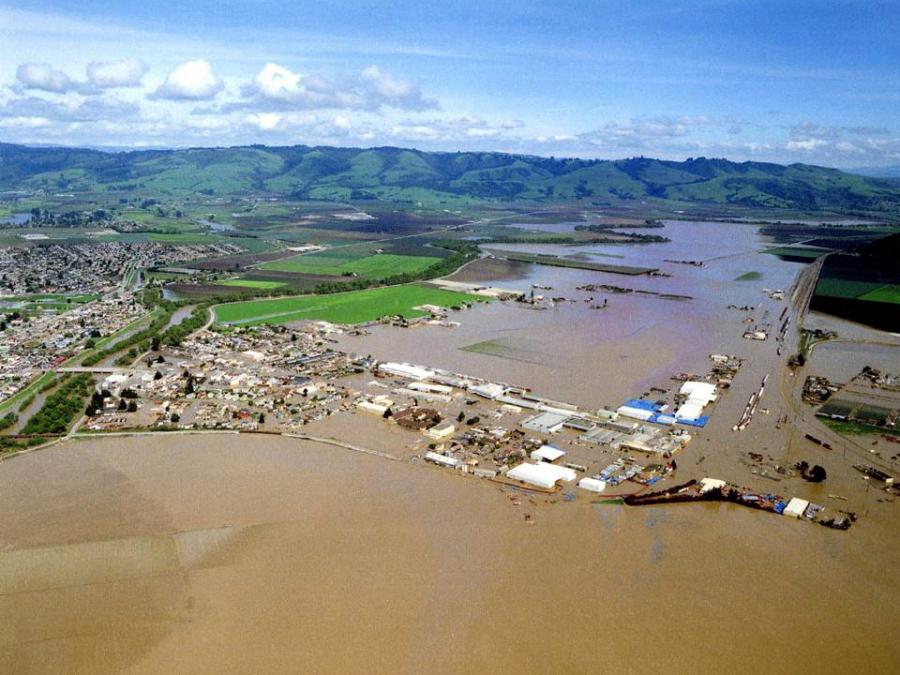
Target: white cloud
264,121
191,81
42,77
807,144
122,73
389,90
277,87
275,84
21,122
385,84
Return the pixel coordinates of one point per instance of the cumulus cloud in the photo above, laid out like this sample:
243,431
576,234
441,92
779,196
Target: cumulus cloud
264,121
637,132
277,87
43,77
111,74
386,89
191,81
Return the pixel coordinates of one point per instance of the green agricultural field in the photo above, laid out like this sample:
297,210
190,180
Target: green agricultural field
795,252
378,266
350,307
250,283
163,237
845,288
887,293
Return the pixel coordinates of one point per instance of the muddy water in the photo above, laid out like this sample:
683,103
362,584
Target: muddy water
600,357
219,554
244,554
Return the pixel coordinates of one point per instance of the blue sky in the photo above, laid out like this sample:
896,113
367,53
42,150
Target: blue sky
814,81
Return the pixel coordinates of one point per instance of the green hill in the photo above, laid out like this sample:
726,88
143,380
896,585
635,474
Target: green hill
397,174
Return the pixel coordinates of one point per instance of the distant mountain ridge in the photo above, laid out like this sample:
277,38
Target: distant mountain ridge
404,175
878,171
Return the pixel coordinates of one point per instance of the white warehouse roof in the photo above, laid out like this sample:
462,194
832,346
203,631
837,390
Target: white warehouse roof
547,453
542,474
406,370
443,460
592,484
699,394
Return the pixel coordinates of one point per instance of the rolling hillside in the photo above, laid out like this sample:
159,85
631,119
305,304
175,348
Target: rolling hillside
396,174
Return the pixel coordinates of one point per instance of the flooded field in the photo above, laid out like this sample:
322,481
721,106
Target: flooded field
221,553
599,357
217,554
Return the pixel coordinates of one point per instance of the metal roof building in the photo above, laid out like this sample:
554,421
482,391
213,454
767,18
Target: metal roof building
541,474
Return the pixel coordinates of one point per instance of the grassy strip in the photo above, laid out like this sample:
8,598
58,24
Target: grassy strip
250,283
556,261
376,266
854,428
352,307
60,408
887,293
29,391
792,252
845,288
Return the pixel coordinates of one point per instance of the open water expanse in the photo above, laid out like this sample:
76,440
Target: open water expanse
234,554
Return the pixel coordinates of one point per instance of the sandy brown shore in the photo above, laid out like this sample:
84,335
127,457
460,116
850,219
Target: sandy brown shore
227,554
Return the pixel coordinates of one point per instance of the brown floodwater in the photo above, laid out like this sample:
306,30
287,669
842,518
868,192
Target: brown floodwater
233,554
218,554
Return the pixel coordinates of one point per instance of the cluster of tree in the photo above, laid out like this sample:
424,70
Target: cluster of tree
95,405
632,237
8,420
603,227
8,444
60,407
44,218
5,319
175,334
